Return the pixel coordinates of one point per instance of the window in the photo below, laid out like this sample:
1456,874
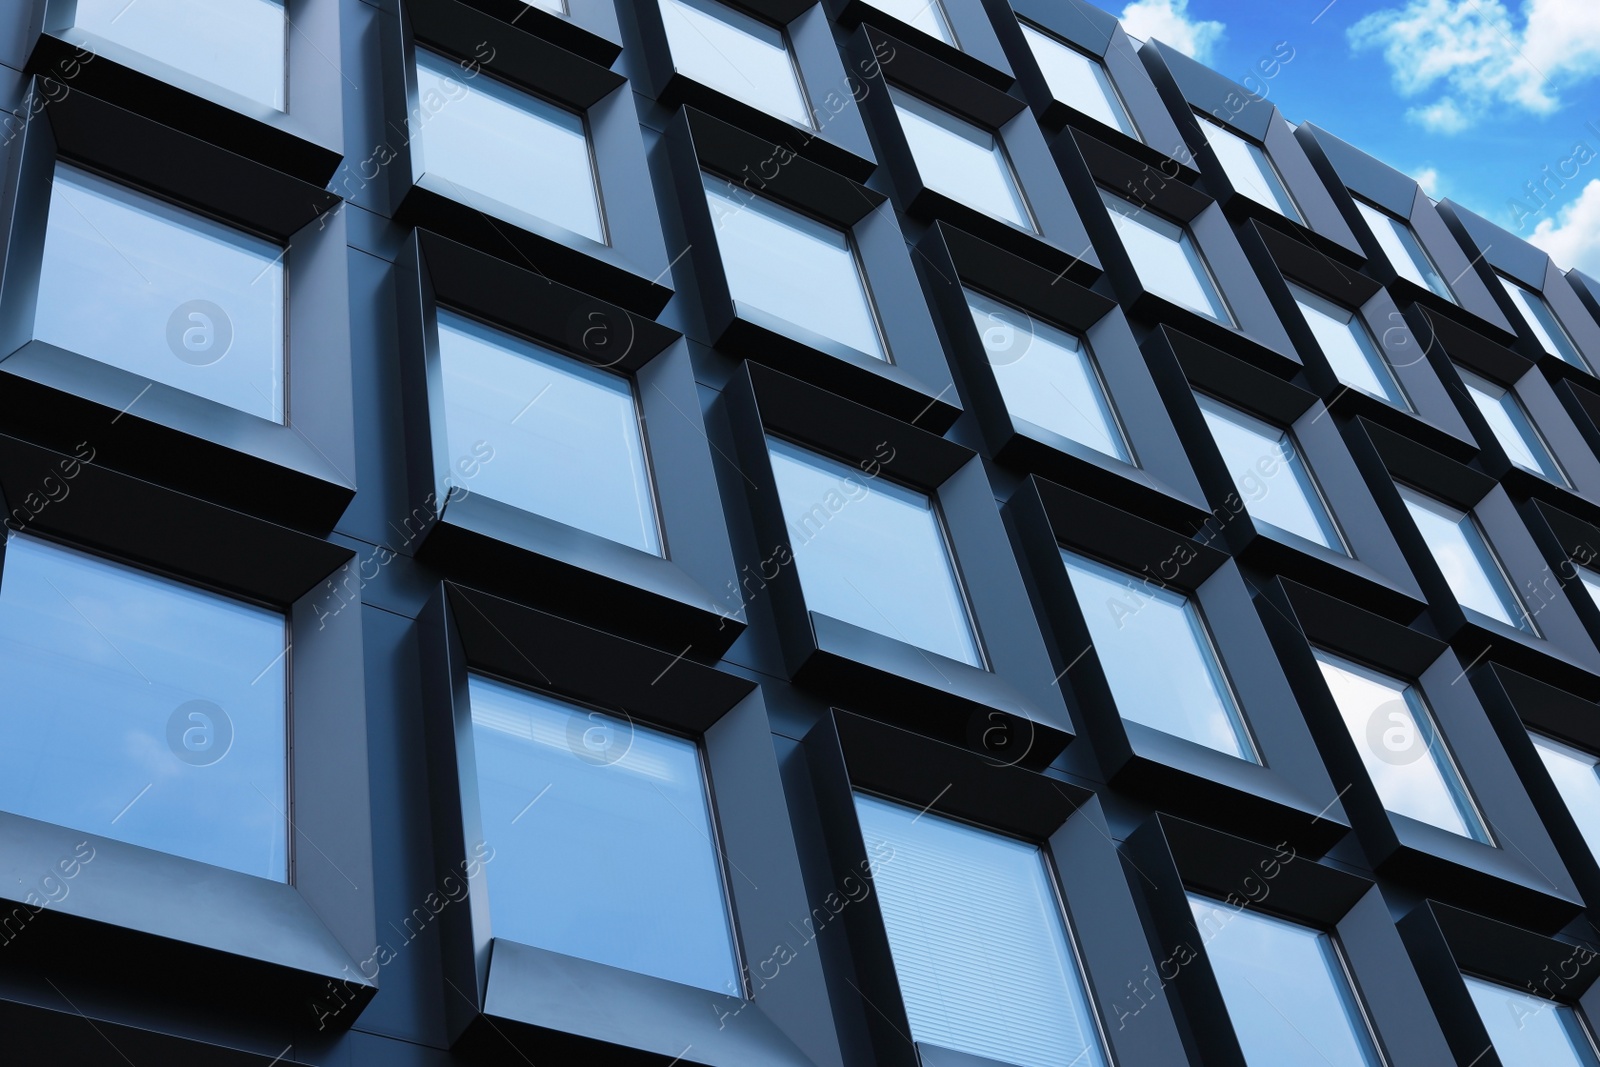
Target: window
239,45
1591,582
1287,989
143,709
1271,476
545,432
1165,258
963,161
508,146
1133,624
1349,348
1530,1031
1547,329
792,266
979,939
1577,779
1405,253
1078,80
603,837
1469,564
737,54
1511,426
164,293
1047,377
926,15
1249,169
1400,746
872,553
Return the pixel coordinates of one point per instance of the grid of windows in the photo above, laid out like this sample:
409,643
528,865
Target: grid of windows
647,588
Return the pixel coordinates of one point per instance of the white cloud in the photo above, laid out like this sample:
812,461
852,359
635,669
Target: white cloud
1168,21
1428,178
1479,58
1573,237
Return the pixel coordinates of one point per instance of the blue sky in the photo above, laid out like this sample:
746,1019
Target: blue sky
1475,98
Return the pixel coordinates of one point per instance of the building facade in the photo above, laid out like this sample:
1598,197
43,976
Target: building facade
765,533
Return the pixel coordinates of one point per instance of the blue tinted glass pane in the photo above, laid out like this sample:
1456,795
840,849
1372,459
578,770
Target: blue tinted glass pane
1078,80
1401,748
926,15
1511,426
486,138
978,938
1249,170
871,553
729,50
1547,329
1287,995
1165,258
236,44
1529,1031
142,709
961,160
1574,773
792,266
1404,252
1349,348
163,293
1469,565
602,839
1270,474
545,433
1047,376
1134,624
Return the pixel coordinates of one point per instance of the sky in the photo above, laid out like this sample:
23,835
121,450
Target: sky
1494,104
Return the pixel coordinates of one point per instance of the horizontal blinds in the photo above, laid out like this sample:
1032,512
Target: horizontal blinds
979,941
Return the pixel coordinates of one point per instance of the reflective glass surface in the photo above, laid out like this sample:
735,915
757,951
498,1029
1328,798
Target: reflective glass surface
602,838
485,137
239,45
1249,169
1511,426
1469,564
871,553
1530,1031
1078,80
1405,253
1270,474
1578,781
961,160
1547,329
979,940
1134,623
142,709
1047,376
740,55
1165,258
926,15
1349,348
545,432
1401,748
1288,996
164,293
792,266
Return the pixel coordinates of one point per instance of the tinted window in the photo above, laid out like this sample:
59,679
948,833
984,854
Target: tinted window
236,44
1404,252
1530,1031
143,709
163,293
1349,348
1165,258
1469,564
1249,169
1270,474
1547,329
1511,426
965,162
1575,776
1078,80
740,55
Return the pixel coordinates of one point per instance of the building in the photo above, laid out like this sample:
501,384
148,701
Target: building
765,533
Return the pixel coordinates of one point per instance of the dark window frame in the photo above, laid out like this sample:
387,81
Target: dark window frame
301,472
533,998
669,599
